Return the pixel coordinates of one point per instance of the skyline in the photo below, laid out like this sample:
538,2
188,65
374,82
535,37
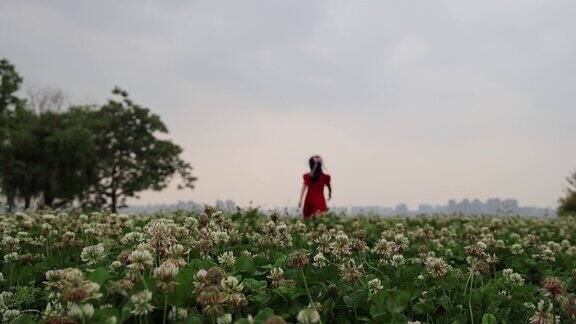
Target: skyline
492,206
406,102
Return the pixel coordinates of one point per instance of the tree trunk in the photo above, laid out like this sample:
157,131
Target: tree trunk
11,203
27,201
114,204
114,192
48,200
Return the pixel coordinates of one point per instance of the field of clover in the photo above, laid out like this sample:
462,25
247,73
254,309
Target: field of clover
246,267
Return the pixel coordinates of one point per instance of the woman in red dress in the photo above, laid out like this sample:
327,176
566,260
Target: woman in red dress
314,183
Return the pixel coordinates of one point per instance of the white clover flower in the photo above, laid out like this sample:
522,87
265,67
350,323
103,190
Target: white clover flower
276,274
397,260
491,259
517,279
482,245
541,304
556,247
141,259
547,254
227,259
308,315
11,257
115,264
111,320
1,277
52,309
84,311
191,222
133,238
319,260
141,302
220,237
224,319
90,230
341,245
437,267
161,234
201,274
93,254
48,217
165,275
10,314
316,305
375,285
400,243
383,248
231,284
178,313
529,305
516,249
5,295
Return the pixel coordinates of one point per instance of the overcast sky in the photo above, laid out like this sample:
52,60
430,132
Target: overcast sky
407,101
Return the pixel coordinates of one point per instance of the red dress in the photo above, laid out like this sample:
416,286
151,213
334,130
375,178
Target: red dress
315,201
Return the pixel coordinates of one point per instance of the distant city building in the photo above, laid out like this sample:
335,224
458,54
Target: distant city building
493,206
402,209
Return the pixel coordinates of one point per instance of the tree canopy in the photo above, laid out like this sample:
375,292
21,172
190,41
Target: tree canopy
93,156
132,158
568,202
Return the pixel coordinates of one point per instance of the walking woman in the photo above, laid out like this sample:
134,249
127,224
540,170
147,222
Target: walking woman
313,187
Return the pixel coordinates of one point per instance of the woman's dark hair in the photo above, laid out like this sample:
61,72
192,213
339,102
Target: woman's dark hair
315,163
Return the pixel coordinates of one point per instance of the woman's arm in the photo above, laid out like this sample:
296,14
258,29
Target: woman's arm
329,191
302,192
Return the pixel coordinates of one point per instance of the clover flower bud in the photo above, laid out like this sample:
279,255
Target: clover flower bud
308,315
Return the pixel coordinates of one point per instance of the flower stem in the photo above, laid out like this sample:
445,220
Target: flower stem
306,285
308,290
165,308
470,298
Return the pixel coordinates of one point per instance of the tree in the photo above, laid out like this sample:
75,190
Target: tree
130,156
44,151
96,155
568,203
14,129
43,100
66,141
10,82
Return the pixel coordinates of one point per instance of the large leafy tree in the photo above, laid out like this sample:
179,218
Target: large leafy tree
10,82
97,155
23,159
67,143
568,202
131,157
44,152
15,131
